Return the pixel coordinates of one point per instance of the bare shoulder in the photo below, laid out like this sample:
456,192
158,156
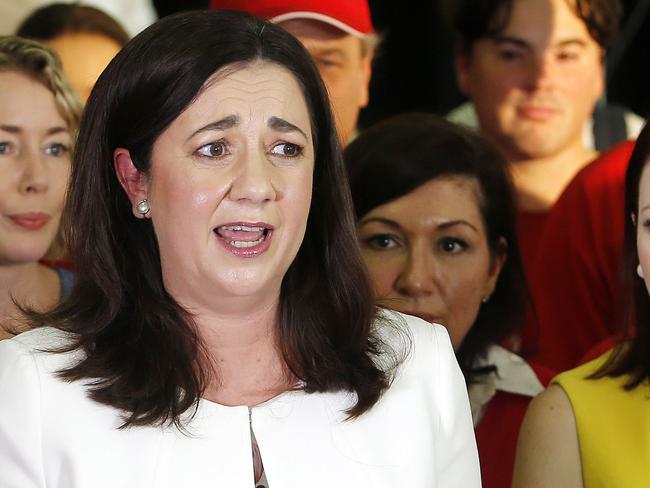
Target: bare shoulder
552,406
548,453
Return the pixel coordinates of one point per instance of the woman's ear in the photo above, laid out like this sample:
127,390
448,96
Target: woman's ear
132,180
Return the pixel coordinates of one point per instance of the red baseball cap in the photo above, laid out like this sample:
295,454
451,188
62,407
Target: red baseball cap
351,16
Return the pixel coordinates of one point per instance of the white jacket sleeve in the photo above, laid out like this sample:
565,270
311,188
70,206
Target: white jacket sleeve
21,463
456,444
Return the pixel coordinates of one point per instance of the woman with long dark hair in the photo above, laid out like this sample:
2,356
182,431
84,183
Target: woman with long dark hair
436,224
222,330
591,427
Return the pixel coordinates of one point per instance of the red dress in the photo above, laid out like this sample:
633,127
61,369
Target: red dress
497,433
575,278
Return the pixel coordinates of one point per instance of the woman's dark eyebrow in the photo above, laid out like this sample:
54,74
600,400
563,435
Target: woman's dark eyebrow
381,220
395,225
222,124
275,123
281,125
453,223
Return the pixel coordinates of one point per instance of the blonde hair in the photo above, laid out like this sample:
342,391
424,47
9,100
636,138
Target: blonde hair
41,64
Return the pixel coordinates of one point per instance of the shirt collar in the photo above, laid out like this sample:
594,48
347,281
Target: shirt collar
512,375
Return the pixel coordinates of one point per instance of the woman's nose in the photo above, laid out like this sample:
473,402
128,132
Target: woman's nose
417,278
34,176
253,181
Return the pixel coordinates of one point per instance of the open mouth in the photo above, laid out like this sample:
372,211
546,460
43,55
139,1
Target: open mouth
245,239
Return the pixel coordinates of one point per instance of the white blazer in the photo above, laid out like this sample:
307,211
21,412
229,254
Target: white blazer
419,434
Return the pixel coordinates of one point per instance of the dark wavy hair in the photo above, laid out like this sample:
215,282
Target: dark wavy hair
398,155
476,19
54,20
142,351
631,356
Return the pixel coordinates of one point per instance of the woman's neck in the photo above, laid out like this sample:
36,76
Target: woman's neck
32,285
248,365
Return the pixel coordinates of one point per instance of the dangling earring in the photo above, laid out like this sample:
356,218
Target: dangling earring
143,207
639,271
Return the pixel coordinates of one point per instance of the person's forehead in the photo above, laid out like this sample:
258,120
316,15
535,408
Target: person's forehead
249,90
545,22
27,105
456,195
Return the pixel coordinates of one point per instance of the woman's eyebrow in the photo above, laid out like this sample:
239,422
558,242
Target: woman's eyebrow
453,223
14,129
282,125
56,130
221,124
381,220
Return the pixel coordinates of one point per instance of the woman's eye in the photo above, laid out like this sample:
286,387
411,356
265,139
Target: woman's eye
381,241
5,148
212,150
57,150
451,245
287,150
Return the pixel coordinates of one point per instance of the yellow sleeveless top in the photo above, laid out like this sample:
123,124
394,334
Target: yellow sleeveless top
613,427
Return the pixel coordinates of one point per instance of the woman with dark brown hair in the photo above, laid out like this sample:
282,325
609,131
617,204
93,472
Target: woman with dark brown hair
222,330
436,224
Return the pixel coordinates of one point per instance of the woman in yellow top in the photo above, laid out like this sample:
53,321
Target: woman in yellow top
591,427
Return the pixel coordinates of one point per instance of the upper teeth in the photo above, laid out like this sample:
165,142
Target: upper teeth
245,228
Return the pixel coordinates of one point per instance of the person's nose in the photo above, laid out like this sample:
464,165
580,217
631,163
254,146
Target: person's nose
34,177
542,72
417,278
253,181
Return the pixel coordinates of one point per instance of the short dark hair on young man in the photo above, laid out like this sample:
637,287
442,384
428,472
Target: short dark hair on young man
141,347
476,19
57,19
397,155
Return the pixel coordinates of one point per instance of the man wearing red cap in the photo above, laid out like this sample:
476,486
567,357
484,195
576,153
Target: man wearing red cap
339,36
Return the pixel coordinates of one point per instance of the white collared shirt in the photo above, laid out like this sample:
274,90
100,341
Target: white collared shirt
512,375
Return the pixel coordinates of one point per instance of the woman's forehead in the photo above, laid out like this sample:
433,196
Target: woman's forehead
261,88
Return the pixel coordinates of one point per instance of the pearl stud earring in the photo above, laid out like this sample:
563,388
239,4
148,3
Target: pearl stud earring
143,207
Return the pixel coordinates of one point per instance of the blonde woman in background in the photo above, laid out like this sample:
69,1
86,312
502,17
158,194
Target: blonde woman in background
39,115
